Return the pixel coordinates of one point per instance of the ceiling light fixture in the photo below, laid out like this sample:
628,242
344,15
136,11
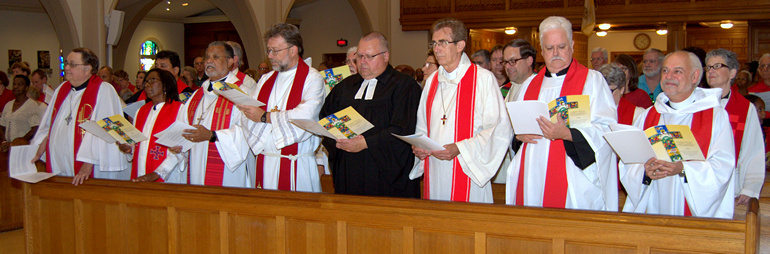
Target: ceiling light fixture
168,9
661,31
605,26
168,2
510,30
601,33
185,4
726,24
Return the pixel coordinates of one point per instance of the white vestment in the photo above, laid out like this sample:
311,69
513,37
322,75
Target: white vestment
480,155
269,138
707,185
750,171
502,174
109,162
173,174
594,187
230,143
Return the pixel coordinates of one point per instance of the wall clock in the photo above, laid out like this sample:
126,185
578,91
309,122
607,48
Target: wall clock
642,41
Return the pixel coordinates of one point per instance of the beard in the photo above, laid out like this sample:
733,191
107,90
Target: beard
651,72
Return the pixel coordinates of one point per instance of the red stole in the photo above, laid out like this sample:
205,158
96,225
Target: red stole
701,129
556,184
285,176
84,112
155,153
626,111
464,106
738,109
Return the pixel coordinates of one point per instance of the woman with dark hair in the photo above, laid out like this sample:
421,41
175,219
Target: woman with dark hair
5,94
155,116
20,118
633,94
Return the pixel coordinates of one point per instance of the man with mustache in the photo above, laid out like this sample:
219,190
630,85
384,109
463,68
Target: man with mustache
650,81
293,90
566,167
685,188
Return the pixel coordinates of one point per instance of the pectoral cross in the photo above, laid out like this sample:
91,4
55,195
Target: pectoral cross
443,119
68,119
275,109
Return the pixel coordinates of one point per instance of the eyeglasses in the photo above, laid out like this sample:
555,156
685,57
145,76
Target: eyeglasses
613,89
442,43
275,51
764,66
152,80
512,61
262,68
71,64
369,58
349,61
716,66
597,59
427,64
215,57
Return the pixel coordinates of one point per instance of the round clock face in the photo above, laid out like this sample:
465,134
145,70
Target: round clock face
642,41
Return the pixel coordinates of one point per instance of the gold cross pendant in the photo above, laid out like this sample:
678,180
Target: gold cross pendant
275,109
443,120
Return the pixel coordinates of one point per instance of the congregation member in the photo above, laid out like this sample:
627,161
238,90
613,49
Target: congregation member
618,84
285,153
519,61
70,150
246,83
431,66
169,61
21,117
599,57
126,88
462,109
188,76
263,69
763,76
650,81
139,81
567,167
6,95
20,68
631,91
218,157
742,82
721,68
39,80
350,60
685,188
405,69
482,58
152,118
108,75
200,71
374,163
496,63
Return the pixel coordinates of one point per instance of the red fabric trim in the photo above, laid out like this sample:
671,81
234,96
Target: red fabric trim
241,76
295,97
180,86
155,153
626,111
738,109
556,184
85,108
520,185
193,105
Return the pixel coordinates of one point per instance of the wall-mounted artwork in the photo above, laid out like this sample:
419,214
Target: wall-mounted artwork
43,59
14,55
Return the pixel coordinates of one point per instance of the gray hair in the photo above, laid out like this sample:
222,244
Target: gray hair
352,50
555,22
228,49
661,56
613,75
766,55
603,50
289,32
694,63
459,33
483,53
730,58
237,50
384,44
747,73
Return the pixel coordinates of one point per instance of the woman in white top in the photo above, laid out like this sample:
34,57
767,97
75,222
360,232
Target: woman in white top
20,117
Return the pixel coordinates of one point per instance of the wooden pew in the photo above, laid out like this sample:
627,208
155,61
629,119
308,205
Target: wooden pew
11,201
105,216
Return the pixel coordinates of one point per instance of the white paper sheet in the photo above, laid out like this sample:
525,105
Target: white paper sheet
239,98
523,115
421,141
312,126
172,136
133,108
21,168
631,145
766,98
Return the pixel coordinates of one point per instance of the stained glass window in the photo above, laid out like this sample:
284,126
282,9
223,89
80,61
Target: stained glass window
147,54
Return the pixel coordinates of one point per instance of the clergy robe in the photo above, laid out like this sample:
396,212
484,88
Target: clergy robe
304,88
466,177
707,185
627,111
46,94
502,174
749,145
588,167
149,156
383,168
109,162
231,148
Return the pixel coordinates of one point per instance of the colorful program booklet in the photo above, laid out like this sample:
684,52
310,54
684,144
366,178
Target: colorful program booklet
114,128
333,76
665,142
575,110
344,124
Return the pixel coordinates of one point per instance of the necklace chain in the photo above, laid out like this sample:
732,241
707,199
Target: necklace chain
445,107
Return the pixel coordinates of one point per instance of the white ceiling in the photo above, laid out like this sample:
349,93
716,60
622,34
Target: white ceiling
177,11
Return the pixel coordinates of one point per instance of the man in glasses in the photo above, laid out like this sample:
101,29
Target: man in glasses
519,61
566,167
461,108
375,163
70,150
482,58
763,85
721,68
293,90
350,60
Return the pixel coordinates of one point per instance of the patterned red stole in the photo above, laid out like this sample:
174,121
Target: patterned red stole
556,184
464,106
702,122
155,153
738,109
285,176
626,111
85,109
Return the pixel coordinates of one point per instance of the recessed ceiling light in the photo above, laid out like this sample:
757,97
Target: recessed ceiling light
510,30
185,4
168,9
168,2
661,31
601,33
726,24
604,26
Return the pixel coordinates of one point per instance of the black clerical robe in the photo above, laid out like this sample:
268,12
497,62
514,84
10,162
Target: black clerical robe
382,169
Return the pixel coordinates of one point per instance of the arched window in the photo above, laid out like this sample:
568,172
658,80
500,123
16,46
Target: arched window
147,54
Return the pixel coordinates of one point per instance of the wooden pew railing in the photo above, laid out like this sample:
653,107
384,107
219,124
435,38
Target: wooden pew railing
105,216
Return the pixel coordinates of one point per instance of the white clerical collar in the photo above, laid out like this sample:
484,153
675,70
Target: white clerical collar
684,103
368,85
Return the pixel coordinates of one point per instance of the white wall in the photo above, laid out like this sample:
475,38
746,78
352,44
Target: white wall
624,41
29,32
169,36
325,22
407,47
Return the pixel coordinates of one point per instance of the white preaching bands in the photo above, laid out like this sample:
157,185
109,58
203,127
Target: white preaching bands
368,85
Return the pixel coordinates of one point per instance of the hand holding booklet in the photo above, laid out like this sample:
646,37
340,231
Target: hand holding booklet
114,128
172,136
664,142
344,124
421,141
234,93
21,168
575,110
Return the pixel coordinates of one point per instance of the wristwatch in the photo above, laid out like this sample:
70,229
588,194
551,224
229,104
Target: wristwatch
213,136
264,117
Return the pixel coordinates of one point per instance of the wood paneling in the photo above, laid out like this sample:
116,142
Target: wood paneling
759,39
62,218
735,40
197,37
11,203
